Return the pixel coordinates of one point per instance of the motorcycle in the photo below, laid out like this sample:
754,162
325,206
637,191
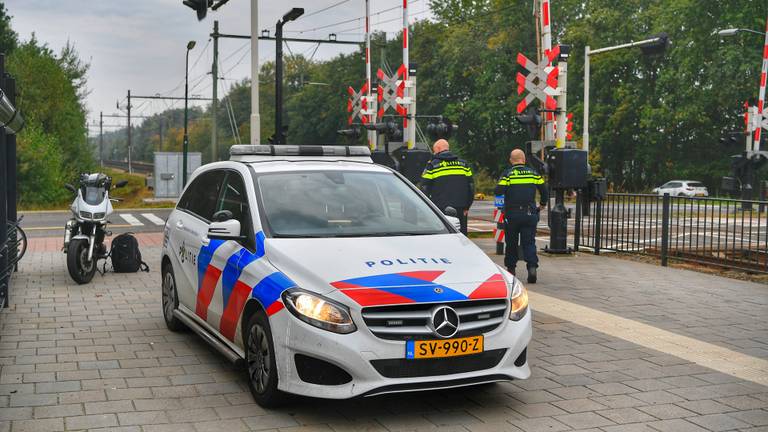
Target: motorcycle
84,233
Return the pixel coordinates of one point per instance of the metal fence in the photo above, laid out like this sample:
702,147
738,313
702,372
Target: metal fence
12,239
731,233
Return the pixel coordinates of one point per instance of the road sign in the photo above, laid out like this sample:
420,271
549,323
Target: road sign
391,92
357,104
541,81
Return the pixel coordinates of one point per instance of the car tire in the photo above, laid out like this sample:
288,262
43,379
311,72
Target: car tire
170,299
79,270
261,365
682,194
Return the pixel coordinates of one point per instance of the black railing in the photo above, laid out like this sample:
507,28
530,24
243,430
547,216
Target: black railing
702,230
12,239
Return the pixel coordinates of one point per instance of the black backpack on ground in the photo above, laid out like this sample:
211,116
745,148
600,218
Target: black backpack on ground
125,254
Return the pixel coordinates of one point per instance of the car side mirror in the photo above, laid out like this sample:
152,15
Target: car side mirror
70,188
222,215
121,183
454,221
225,230
450,211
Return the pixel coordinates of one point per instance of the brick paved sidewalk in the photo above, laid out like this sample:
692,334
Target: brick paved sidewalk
98,357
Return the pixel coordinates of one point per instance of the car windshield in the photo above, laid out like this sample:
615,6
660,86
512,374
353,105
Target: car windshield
343,204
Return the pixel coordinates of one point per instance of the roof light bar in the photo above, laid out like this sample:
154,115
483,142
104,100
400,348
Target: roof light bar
296,150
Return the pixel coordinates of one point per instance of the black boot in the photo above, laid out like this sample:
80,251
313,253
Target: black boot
511,270
532,275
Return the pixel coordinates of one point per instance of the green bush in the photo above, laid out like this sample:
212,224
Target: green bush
41,172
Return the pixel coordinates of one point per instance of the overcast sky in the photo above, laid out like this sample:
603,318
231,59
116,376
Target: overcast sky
140,44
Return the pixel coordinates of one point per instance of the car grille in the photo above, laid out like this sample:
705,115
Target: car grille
412,321
404,368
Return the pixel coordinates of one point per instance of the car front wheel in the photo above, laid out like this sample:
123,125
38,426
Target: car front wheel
170,300
260,358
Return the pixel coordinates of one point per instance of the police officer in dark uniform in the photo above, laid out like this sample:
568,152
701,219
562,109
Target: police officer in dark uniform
518,185
447,181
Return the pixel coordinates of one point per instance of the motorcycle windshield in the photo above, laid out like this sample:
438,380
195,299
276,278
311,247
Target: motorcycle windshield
93,195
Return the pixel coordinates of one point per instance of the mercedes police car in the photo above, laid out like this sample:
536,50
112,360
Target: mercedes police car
331,276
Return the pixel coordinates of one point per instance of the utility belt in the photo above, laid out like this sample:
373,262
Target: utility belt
529,209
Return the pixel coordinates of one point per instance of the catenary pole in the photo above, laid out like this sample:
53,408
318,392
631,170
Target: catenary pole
255,119
130,166
372,135
214,95
101,138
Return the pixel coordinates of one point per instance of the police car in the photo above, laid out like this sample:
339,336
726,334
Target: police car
330,276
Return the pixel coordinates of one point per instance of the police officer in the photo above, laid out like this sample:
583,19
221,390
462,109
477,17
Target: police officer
447,181
518,185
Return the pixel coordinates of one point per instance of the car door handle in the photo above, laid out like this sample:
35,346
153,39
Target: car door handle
179,224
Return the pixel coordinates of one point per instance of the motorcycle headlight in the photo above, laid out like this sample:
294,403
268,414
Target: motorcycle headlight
518,301
85,214
319,311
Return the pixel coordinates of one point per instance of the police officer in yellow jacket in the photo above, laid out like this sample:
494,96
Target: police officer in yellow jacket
518,185
447,181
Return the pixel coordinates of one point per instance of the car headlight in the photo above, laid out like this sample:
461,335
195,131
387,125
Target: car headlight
518,301
85,214
319,311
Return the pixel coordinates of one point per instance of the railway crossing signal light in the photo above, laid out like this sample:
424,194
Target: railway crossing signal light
443,128
351,133
392,129
199,6
531,119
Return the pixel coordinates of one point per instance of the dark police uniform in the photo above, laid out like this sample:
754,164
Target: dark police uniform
447,181
518,185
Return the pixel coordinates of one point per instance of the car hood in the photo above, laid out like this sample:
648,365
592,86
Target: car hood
370,271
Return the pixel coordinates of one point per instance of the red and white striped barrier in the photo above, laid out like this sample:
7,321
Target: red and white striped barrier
761,96
498,230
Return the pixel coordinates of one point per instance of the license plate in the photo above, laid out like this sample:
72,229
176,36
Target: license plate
443,347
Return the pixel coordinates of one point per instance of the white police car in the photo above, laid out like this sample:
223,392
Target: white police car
334,277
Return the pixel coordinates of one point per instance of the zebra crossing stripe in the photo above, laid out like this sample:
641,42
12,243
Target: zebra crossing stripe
154,219
131,219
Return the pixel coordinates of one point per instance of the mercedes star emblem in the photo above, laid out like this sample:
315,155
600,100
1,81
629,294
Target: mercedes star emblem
445,321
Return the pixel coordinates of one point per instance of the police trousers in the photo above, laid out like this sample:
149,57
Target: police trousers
521,229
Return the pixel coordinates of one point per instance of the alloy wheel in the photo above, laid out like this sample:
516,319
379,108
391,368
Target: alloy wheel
259,358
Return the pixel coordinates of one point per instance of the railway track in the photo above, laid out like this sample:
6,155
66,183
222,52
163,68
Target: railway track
138,166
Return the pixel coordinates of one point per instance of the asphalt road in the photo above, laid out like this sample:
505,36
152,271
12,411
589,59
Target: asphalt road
51,223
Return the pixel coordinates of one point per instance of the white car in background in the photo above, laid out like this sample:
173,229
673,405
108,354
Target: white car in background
688,188
333,277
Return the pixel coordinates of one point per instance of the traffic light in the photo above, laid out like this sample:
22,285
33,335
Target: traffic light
531,119
656,47
199,6
441,128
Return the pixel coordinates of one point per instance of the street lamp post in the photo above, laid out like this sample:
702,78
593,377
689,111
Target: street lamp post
658,41
288,17
185,150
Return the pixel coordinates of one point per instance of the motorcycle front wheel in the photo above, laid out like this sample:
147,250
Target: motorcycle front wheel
80,269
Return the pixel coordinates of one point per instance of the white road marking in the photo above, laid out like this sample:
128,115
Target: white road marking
154,219
714,357
131,219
